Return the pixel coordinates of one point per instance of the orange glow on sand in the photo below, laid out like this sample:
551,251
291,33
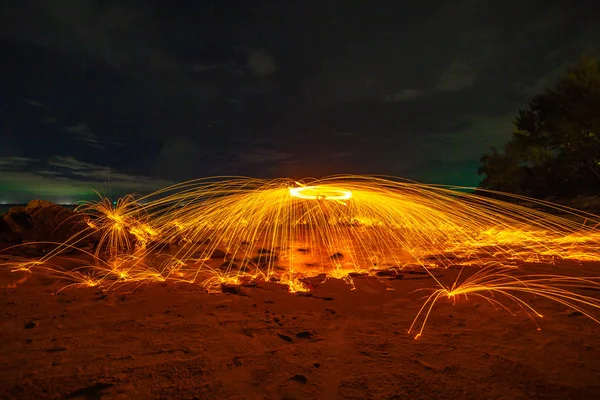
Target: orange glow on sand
231,231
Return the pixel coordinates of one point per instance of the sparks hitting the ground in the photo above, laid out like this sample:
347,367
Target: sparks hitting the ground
234,230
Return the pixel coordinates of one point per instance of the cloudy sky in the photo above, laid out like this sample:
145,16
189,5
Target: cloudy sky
139,94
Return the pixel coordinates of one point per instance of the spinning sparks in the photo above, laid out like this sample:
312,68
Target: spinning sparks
320,193
235,230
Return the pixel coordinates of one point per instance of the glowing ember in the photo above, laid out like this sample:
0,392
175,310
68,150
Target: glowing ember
236,230
320,193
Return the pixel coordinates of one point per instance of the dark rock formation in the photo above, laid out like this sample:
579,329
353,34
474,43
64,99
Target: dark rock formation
40,221
9,239
18,220
4,227
51,222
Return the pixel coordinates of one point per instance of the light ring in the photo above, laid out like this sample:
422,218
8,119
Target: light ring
320,193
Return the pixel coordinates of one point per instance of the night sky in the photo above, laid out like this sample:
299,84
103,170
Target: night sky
146,93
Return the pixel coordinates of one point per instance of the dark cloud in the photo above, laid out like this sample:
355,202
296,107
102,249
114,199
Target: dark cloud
405,95
83,133
66,180
261,64
459,76
173,91
116,33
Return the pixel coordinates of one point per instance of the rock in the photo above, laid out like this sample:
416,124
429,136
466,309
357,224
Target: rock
31,325
18,220
33,204
336,256
303,250
52,222
228,266
94,391
264,259
4,227
264,251
304,335
284,337
387,272
56,349
575,314
299,378
571,313
232,289
217,254
43,220
9,239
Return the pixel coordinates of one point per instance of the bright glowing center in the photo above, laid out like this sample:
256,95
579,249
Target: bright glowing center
320,193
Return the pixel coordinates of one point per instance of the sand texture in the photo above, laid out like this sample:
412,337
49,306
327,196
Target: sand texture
169,340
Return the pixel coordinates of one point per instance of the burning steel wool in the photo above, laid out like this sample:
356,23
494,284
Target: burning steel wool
219,231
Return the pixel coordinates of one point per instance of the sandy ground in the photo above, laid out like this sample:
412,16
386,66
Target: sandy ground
177,341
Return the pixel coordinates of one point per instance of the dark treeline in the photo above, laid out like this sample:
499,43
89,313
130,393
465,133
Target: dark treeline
555,148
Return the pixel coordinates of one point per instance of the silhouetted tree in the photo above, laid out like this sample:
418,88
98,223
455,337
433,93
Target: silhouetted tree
502,171
555,148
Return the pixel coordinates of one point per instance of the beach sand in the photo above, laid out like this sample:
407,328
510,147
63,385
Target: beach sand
173,340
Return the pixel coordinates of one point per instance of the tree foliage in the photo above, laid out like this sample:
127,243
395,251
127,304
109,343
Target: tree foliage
555,147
